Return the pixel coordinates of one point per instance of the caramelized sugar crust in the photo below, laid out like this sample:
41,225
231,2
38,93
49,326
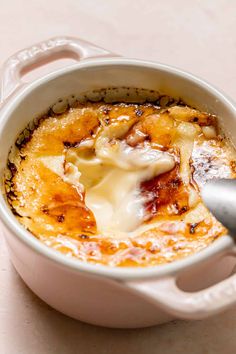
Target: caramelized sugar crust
176,223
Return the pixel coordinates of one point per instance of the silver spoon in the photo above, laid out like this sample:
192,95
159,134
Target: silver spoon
219,196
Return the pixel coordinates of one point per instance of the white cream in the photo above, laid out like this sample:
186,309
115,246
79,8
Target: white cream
186,132
111,174
114,176
209,131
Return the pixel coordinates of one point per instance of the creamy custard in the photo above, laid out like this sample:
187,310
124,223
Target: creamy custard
118,183
115,198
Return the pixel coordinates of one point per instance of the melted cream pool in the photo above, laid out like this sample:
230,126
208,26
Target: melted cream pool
110,173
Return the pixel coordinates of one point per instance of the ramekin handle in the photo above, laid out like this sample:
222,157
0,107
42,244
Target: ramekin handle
188,305
42,53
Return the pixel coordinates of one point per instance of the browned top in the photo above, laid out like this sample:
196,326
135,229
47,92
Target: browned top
55,211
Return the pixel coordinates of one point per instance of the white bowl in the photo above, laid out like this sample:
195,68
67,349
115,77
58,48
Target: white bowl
102,295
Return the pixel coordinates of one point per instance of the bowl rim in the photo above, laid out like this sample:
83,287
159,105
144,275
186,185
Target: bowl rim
120,273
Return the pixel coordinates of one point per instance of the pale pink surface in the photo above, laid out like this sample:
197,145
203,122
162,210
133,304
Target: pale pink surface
196,36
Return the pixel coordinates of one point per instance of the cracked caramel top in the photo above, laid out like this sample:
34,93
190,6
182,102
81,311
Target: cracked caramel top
117,183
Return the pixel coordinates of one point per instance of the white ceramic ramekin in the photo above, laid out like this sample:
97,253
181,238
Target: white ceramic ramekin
114,297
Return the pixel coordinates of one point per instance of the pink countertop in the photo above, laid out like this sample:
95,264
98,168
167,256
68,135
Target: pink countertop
198,36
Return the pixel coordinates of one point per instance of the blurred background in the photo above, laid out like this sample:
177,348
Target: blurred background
197,36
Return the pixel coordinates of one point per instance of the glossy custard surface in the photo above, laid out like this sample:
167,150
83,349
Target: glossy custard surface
118,184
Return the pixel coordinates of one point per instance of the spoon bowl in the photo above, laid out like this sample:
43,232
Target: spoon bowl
219,196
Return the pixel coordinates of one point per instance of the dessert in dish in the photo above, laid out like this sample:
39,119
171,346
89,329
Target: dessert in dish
118,182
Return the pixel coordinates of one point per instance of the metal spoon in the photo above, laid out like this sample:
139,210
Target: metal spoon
219,196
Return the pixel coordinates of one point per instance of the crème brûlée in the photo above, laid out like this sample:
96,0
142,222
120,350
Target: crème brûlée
119,183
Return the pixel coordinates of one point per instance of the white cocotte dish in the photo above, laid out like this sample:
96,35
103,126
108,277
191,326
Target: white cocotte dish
192,288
